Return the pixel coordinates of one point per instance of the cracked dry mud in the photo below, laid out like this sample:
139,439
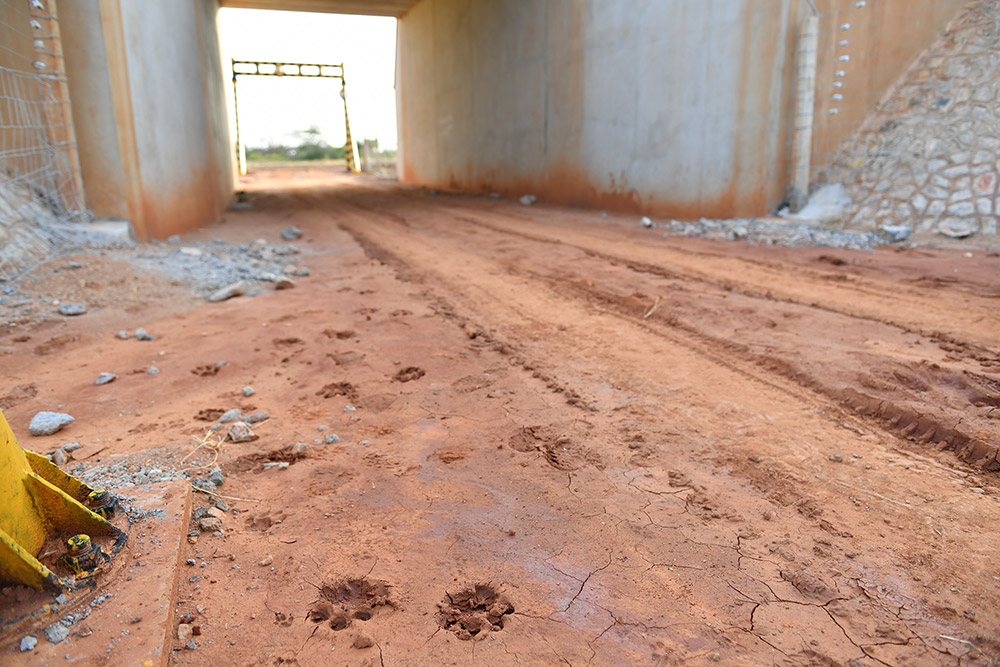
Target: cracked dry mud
790,460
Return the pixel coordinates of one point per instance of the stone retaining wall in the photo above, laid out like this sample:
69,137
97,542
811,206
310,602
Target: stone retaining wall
928,158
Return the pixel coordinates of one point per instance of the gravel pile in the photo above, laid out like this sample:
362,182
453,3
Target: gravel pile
209,266
771,231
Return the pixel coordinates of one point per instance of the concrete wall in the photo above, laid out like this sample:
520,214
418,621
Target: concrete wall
182,172
674,107
929,157
93,112
599,103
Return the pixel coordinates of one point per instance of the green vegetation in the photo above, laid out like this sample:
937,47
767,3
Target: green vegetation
310,146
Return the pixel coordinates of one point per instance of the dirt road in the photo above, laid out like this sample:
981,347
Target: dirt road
564,439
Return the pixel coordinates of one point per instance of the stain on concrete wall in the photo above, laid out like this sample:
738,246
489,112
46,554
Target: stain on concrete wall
178,161
93,113
929,156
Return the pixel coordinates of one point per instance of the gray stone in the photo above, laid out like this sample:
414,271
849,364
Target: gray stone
228,292
256,417
527,200
142,334
153,370
882,186
958,170
248,391
28,644
982,156
291,233
936,192
71,308
963,208
936,208
984,206
47,423
960,195
897,233
105,378
71,446
233,415
56,632
957,228
332,438
301,272
124,335
936,165
216,477
919,203
284,283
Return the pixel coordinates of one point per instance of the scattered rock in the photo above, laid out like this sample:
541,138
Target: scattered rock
266,560
124,335
836,458
248,391
978,489
256,417
190,646
28,644
214,511
228,292
71,447
958,228
897,233
105,378
142,334
299,272
363,640
216,477
59,457
153,370
332,438
184,632
209,524
528,200
233,415
291,233
280,465
47,423
70,308
241,432
646,222
298,448
284,283
56,632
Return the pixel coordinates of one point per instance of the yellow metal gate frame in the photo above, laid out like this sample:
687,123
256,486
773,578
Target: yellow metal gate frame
304,70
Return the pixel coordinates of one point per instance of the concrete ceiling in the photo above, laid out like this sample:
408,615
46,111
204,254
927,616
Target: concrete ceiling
395,8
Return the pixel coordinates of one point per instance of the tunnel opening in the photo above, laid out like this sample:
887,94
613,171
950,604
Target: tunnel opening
311,96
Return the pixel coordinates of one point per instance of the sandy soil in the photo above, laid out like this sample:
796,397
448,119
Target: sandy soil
563,439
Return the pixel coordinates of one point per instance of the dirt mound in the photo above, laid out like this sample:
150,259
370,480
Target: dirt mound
346,600
474,611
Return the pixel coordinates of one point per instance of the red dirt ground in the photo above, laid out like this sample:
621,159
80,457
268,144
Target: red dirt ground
575,441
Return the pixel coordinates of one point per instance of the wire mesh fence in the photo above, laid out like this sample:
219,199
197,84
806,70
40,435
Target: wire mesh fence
40,183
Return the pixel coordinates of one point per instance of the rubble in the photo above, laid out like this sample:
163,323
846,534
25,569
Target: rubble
105,378
71,309
47,423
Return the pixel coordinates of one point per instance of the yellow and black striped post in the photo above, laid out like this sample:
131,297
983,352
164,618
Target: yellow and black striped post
349,146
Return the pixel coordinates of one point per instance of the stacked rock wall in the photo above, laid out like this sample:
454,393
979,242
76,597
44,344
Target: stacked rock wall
928,158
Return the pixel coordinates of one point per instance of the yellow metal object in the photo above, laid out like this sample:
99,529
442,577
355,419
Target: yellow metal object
84,557
38,502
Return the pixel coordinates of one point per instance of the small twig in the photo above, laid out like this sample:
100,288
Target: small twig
219,495
956,639
652,310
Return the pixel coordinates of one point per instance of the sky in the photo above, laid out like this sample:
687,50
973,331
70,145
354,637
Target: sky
272,108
